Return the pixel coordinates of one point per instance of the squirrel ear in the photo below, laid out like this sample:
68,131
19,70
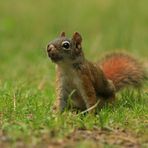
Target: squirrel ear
62,34
77,38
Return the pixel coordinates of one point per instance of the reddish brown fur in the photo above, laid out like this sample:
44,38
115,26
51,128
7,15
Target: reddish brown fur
123,70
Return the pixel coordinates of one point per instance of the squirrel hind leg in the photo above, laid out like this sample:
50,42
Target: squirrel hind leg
109,97
103,102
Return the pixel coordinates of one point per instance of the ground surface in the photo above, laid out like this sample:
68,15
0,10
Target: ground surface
27,76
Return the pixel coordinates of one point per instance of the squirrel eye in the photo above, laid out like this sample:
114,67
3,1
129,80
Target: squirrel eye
65,44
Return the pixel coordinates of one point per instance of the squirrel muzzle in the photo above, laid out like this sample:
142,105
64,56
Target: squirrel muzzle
53,53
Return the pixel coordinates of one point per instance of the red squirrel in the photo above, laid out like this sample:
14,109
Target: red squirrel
86,82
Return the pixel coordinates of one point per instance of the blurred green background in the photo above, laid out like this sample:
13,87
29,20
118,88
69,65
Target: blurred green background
27,26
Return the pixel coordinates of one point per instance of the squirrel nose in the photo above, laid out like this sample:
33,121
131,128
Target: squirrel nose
50,48
52,52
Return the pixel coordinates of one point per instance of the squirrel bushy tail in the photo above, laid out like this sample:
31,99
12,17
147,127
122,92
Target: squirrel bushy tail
123,70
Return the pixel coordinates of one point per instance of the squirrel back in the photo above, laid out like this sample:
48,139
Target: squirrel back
123,70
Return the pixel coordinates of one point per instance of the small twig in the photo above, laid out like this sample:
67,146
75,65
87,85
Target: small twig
14,102
89,109
42,84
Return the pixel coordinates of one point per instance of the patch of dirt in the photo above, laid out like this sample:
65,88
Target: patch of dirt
88,138
98,137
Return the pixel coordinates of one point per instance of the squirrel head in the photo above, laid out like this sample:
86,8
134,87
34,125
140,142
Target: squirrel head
64,49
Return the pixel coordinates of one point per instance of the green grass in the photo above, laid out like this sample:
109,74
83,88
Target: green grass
27,76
